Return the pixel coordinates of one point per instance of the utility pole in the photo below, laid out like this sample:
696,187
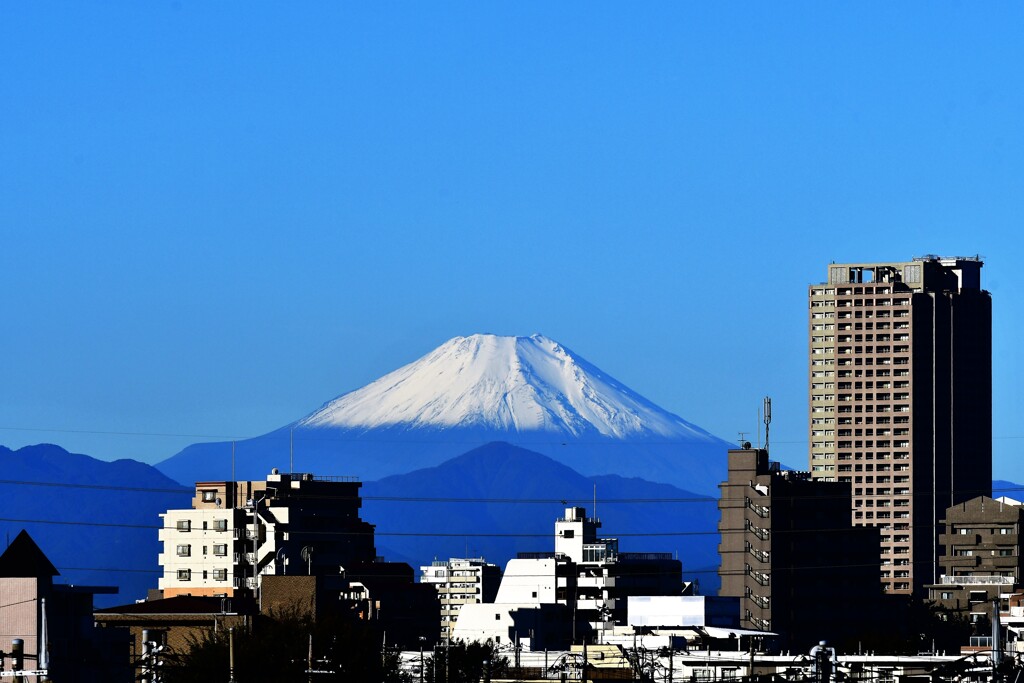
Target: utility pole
152,646
421,658
18,655
231,655
997,648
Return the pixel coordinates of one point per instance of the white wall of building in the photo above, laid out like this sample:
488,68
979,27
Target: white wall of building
487,621
529,582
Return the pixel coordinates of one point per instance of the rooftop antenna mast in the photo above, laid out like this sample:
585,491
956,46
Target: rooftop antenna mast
759,427
767,419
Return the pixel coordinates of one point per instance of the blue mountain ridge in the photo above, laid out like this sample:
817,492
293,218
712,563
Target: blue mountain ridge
372,454
97,521
499,499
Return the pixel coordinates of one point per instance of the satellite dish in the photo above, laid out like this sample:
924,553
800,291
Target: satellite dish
218,501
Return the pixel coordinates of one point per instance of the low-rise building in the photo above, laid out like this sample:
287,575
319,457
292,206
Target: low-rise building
982,555
52,621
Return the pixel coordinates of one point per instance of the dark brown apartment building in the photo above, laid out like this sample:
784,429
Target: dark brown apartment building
900,395
788,548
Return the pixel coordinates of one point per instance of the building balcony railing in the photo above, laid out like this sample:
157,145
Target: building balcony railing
596,582
760,600
763,534
990,580
761,510
761,555
760,577
761,624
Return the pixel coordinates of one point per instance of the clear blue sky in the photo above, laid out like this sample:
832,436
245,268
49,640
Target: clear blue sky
216,216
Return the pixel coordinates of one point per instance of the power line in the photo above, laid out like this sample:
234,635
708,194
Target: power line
451,534
99,487
325,438
453,499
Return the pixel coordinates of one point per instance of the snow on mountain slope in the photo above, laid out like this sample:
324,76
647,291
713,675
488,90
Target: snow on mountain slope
515,384
527,391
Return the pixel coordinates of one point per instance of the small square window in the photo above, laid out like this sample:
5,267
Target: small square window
184,525
209,496
220,549
184,550
184,575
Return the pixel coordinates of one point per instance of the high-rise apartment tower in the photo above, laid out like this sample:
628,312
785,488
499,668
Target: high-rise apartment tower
901,399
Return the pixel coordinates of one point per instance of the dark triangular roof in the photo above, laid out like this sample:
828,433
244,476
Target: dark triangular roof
24,559
185,604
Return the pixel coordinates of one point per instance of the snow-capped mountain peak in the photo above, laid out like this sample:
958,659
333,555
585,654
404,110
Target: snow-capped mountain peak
516,384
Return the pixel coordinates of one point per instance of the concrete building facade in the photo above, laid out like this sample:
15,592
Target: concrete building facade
900,396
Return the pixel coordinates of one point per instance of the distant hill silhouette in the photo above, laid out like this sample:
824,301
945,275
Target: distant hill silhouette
482,517
1002,487
107,530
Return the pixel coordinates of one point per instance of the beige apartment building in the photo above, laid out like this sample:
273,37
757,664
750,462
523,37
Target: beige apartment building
900,370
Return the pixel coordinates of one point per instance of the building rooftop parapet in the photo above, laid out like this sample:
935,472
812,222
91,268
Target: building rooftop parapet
794,475
645,556
470,560
935,257
539,555
592,520
306,476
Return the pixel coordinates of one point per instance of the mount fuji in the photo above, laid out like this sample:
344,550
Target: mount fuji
528,391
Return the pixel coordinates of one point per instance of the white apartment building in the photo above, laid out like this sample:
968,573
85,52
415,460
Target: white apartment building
460,582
